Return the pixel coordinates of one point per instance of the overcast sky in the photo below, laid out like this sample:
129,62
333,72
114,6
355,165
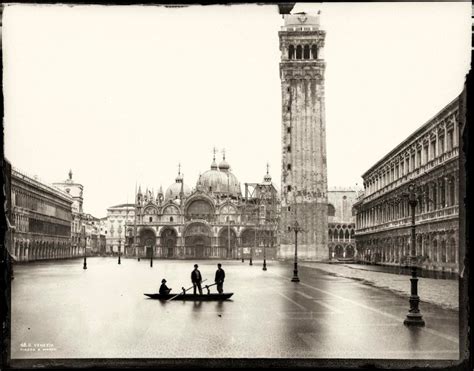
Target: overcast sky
121,95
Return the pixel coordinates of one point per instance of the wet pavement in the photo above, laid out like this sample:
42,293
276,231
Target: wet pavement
441,292
404,270
60,310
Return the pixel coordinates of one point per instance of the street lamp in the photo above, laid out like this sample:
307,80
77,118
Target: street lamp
85,250
264,268
251,246
297,229
120,242
414,317
151,257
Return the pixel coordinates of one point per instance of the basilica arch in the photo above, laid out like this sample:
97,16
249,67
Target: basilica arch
200,208
227,234
148,241
168,241
197,240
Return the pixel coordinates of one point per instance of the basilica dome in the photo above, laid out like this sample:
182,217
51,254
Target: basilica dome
220,180
174,190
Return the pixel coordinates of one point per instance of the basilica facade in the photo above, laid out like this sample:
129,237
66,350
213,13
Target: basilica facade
209,219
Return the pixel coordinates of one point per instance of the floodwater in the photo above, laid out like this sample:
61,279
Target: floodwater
60,310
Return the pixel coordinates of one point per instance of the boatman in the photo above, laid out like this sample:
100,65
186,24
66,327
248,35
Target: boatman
196,279
164,290
219,279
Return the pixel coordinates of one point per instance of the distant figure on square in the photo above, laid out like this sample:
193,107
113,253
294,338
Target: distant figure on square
163,288
196,279
219,279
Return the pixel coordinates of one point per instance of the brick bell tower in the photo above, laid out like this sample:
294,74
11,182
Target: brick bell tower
304,170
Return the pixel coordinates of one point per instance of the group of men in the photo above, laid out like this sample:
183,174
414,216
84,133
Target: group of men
196,279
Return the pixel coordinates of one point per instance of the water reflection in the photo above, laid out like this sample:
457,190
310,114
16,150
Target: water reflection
102,313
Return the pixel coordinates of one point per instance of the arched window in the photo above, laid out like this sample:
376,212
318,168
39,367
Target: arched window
299,52
314,52
443,252
452,185
452,250
151,219
347,234
331,210
443,195
435,251
330,235
171,219
306,52
291,52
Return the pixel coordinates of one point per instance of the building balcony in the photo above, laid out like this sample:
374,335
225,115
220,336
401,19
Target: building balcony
431,216
423,169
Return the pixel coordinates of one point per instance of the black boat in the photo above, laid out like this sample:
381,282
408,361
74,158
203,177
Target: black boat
196,297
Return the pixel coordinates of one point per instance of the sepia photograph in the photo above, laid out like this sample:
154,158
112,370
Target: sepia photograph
243,184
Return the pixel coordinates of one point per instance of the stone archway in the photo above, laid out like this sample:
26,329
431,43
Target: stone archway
350,252
197,241
227,243
168,239
148,241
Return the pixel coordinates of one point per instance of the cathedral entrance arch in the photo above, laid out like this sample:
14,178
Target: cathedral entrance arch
168,240
148,241
197,241
227,243
248,239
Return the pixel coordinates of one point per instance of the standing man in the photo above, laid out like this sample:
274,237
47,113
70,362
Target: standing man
196,279
219,280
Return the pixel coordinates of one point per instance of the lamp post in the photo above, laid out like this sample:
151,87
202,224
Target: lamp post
120,242
264,268
251,247
84,266
414,317
151,257
297,229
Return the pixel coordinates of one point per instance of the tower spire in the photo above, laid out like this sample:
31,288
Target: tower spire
267,178
179,178
214,164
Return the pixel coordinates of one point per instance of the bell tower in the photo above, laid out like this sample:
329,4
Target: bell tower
304,171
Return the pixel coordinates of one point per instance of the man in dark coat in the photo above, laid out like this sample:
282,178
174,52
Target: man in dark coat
219,279
196,279
163,288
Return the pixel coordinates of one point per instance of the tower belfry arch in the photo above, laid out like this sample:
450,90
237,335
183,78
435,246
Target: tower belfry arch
304,169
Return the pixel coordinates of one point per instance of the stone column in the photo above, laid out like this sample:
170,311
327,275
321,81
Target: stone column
456,188
446,192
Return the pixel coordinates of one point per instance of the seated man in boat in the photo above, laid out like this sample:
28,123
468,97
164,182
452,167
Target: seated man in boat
219,279
164,290
196,279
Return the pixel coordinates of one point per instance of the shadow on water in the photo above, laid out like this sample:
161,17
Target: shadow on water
406,270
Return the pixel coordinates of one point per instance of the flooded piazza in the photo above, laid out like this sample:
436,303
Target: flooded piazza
60,310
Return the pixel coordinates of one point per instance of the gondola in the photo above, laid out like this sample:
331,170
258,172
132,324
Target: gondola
195,297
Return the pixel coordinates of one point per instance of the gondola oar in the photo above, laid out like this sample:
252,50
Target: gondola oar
181,293
207,287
